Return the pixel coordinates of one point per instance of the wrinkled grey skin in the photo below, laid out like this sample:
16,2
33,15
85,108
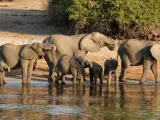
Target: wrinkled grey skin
70,65
134,53
24,56
77,45
110,67
95,71
3,68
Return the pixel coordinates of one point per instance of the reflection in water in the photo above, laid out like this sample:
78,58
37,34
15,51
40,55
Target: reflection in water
120,102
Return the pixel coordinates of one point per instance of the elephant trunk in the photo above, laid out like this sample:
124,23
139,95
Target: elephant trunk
109,42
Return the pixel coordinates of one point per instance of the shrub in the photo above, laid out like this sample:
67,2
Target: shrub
58,11
115,17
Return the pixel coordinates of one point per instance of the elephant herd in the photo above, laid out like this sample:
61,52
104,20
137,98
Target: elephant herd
65,55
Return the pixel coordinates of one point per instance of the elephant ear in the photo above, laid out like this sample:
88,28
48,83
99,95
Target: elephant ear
28,53
74,62
88,44
155,51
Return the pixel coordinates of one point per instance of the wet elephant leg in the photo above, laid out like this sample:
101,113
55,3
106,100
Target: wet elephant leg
91,76
74,72
4,82
125,63
155,70
63,80
101,79
30,69
109,78
95,80
1,78
146,67
24,69
116,77
51,65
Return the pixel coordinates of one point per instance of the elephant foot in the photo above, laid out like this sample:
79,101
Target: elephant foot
101,83
108,83
157,81
4,82
24,83
28,83
51,80
116,82
141,82
63,83
56,82
122,81
74,83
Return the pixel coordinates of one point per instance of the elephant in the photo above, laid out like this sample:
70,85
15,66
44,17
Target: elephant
77,45
24,56
70,65
110,67
95,71
3,68
134,53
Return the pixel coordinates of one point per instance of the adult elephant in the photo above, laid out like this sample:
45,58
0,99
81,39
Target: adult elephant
134,53
77,45
24,56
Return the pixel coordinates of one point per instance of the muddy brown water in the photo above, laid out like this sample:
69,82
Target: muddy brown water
44,101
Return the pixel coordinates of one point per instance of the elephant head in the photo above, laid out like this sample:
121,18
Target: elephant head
110,65
35,50
87,64
75,62
50,52
155,51
95,40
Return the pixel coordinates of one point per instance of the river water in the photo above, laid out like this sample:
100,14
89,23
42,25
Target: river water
43,101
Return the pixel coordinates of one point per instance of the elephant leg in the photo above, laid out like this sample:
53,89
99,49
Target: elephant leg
91,77
29,72
101,78
82,79
146,67
4,82
24,69
63,80
1,78
74,72
95,79
51,77
109,78
74,79
125,63
155,70
116,77
59,76
123,74
83,74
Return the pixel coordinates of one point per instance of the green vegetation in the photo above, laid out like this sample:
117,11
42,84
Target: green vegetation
126,18
58,11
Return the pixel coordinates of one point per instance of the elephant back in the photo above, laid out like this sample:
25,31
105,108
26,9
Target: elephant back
10,54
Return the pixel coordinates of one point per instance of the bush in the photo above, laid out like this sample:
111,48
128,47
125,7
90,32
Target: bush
127,18
58,11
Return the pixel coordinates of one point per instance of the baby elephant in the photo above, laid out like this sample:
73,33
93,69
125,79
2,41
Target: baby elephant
110,67
3,68
70,65
95,71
